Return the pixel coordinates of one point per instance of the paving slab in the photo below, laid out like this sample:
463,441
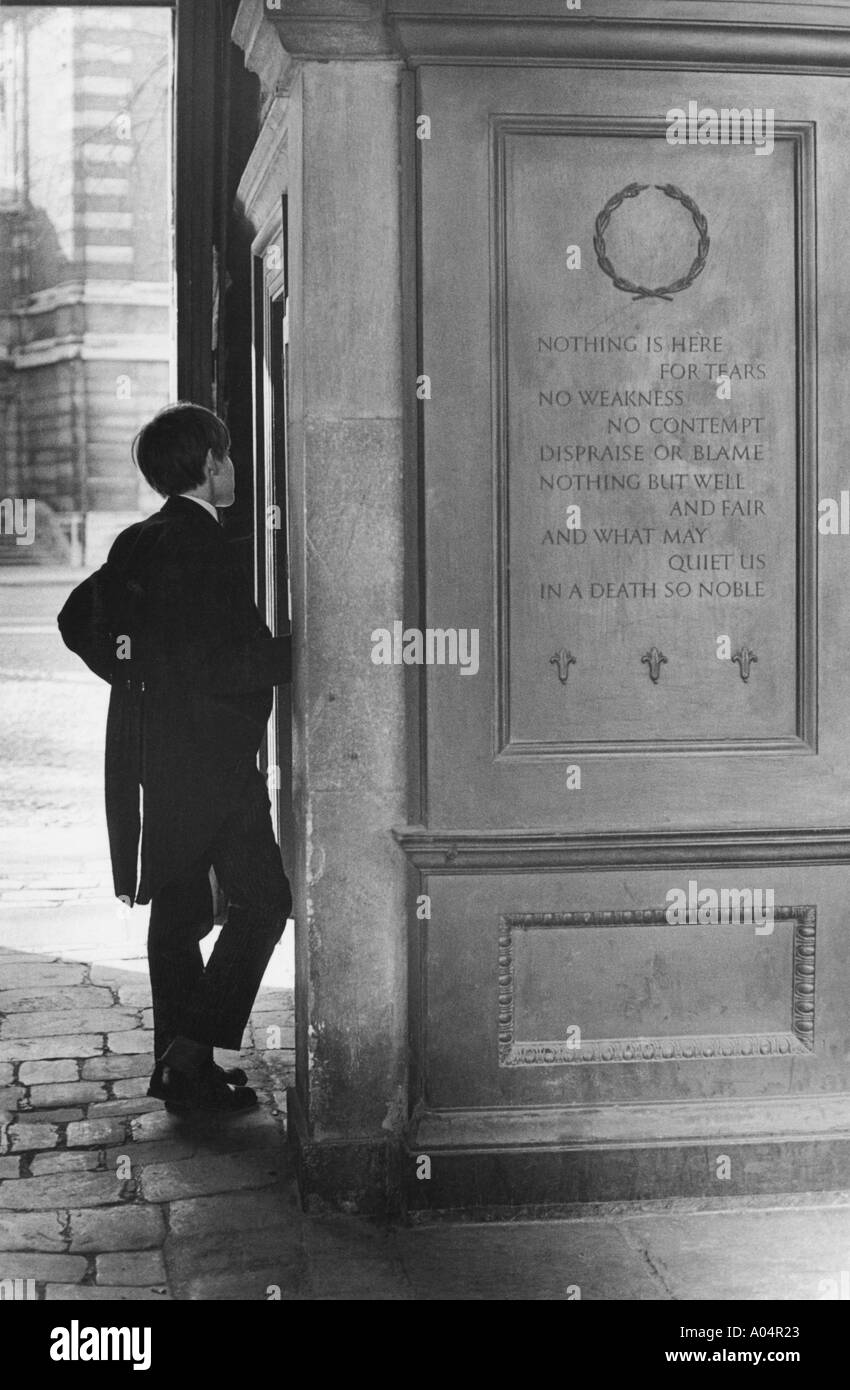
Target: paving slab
22,1264
43,1024
116,1228
50,1116
10,1166
740,1254
530,1261
30,1230
62,1045
117,973
237,1212
48,1073
21,1136
138,1040
60,1190
66,997
82,1293
119,1067
86,1133
167,1182
136,994
131,1267
80,1161
130,1087
64,1093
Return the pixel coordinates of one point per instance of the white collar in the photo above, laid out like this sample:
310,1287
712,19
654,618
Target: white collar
202,502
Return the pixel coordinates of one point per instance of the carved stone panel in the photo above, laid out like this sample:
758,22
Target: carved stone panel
551,966
651,375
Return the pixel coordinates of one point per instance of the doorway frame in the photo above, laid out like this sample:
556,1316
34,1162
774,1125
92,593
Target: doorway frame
270,342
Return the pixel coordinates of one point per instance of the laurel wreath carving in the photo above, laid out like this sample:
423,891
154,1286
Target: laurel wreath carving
633,190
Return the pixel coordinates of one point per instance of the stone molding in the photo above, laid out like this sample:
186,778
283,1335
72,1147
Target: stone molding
500,851
798,1038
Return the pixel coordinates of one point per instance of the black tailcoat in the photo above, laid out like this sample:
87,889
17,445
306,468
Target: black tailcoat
191,689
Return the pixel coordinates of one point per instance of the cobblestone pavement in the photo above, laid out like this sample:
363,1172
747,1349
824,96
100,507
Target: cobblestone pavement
103,1195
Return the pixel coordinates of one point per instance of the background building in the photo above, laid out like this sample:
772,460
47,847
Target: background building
85,266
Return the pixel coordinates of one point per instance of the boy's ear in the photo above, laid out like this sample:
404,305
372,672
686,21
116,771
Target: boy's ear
210,465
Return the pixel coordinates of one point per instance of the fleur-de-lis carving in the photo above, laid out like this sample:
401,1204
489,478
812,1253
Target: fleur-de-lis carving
563,660
744,658
654,659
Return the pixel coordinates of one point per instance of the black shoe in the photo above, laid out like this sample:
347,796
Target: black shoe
234,1076
207,1090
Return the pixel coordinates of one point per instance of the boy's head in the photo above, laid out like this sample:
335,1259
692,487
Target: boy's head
186,448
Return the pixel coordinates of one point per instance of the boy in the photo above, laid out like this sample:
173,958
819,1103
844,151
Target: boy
171,623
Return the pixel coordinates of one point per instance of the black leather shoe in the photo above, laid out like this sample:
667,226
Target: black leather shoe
208,1090
234,1076
205,1091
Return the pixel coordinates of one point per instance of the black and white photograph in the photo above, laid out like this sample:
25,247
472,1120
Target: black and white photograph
425,664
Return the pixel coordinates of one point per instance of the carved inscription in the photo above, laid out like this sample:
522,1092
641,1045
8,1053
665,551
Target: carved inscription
650,449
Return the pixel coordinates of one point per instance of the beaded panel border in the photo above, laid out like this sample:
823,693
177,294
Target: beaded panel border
515,1052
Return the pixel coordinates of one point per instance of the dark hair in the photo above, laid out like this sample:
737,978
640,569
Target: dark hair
171,450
